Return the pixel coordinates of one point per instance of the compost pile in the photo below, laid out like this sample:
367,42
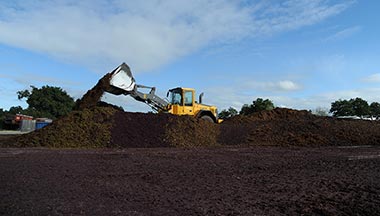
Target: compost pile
287,127
85,128
98,124
161,130
107,126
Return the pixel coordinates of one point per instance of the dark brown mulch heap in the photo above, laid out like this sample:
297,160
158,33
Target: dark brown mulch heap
161,130
80,129
286,127
107,126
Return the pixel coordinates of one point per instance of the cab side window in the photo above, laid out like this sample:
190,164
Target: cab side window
176,98
188,98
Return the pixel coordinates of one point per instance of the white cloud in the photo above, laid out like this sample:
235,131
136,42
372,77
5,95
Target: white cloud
279,86
27,79
148,34
293,14
368,94
344,33
287,85
374,78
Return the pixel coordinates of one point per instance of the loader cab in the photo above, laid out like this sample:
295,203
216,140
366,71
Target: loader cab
175,96
182,101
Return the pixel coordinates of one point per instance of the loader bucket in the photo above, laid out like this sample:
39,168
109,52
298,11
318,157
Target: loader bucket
121,81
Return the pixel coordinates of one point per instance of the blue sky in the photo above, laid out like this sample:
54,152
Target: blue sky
301,54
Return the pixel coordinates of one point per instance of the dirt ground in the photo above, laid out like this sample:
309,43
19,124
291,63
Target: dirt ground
197,181
4,138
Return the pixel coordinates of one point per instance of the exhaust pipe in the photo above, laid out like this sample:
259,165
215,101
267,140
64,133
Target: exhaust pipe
201,97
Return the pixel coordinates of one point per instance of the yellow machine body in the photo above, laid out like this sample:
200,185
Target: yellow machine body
182,102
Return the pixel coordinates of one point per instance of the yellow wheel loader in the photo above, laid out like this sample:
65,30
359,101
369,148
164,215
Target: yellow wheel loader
180,101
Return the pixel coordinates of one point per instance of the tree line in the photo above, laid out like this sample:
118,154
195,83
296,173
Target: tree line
353,107
257,105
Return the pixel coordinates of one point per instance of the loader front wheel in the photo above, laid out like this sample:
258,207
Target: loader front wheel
207,118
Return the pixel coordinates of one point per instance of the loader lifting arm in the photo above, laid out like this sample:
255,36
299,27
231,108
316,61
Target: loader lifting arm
151,98
121,81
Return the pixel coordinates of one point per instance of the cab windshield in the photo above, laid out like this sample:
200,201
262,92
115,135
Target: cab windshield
175,96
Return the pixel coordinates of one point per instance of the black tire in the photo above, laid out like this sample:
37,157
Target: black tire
207,118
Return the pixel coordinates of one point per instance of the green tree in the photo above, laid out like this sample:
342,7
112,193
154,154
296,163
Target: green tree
341,108
23,94
257,105
360,107
15,110
245,110
230,112
375,109
352,107
47,101
261,104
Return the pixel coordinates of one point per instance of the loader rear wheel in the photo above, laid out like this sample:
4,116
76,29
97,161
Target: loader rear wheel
207,118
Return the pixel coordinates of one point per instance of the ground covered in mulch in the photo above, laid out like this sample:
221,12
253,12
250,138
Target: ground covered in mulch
197,181
4,139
